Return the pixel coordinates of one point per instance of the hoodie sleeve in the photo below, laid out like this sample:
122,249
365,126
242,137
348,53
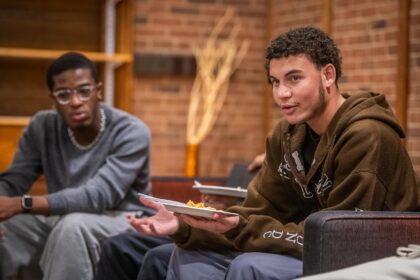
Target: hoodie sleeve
256,231
189,237
270,218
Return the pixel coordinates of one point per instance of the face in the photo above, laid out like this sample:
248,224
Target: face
77,113
298,89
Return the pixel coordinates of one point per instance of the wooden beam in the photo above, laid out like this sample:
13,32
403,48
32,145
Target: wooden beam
403,64
124,44
327,16
53,54
13,121
267,108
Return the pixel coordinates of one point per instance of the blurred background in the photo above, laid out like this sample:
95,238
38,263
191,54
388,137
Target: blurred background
144,52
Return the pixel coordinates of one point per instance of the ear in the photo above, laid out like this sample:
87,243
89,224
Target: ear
54,101
328,75
99,91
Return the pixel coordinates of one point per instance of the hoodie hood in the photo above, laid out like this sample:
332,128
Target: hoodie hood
360,106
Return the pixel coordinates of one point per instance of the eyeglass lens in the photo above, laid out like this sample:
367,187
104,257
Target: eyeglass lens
63,96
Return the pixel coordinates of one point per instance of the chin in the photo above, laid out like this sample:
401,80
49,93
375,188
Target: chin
294,121
298,118
78,125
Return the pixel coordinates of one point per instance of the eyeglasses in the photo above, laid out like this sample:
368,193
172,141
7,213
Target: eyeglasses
63,96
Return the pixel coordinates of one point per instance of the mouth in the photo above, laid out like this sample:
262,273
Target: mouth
78,116
288,108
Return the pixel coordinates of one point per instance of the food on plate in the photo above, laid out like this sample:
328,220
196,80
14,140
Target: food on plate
198,205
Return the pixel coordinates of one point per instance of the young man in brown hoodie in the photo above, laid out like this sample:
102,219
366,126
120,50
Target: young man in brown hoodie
332,151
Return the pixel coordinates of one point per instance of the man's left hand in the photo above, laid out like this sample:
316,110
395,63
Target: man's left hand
218,224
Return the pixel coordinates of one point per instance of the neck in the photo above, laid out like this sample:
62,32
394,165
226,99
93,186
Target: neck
86,138
333,103
85,135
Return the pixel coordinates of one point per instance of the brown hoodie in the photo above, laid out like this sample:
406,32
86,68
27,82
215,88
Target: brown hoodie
360,163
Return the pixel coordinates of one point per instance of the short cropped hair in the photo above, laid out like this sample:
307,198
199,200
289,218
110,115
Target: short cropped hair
310,41
70,61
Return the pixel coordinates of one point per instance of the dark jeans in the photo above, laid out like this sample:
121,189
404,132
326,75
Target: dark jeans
156,263
124,254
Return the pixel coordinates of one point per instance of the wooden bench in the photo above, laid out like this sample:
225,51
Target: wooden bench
180,188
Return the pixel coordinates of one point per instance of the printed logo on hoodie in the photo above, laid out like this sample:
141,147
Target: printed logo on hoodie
323,184
285,172
284,169
291,237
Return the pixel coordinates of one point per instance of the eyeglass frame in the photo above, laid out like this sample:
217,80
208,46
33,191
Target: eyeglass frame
72,91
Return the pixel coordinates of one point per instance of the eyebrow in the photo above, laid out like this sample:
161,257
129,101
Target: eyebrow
290,72
78,86
293,71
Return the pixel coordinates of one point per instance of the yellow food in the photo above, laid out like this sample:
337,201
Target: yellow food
198,205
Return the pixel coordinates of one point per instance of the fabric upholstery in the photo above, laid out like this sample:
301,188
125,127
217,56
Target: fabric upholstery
338,239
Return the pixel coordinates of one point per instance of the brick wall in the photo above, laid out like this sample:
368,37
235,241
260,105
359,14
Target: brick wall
171,27
290,14
413,114
365,30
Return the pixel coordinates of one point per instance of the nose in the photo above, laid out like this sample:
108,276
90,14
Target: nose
282,91
75,99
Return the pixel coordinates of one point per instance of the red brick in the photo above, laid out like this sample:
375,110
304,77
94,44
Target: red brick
365,30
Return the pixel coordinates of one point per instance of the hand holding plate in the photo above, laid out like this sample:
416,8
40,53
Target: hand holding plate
219,223
162,223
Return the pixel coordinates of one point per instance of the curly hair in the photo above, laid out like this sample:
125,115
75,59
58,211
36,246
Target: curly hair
312,42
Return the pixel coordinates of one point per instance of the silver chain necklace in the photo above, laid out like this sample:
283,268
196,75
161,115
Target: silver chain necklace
98,136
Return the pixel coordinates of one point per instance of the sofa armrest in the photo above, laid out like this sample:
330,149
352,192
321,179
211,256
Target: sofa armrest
338,239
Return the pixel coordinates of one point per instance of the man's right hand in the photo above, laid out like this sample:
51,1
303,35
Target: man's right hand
256,162
162,223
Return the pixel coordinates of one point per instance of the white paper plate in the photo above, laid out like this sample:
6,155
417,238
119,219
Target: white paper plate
193,211
217,190
182,208
160,200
